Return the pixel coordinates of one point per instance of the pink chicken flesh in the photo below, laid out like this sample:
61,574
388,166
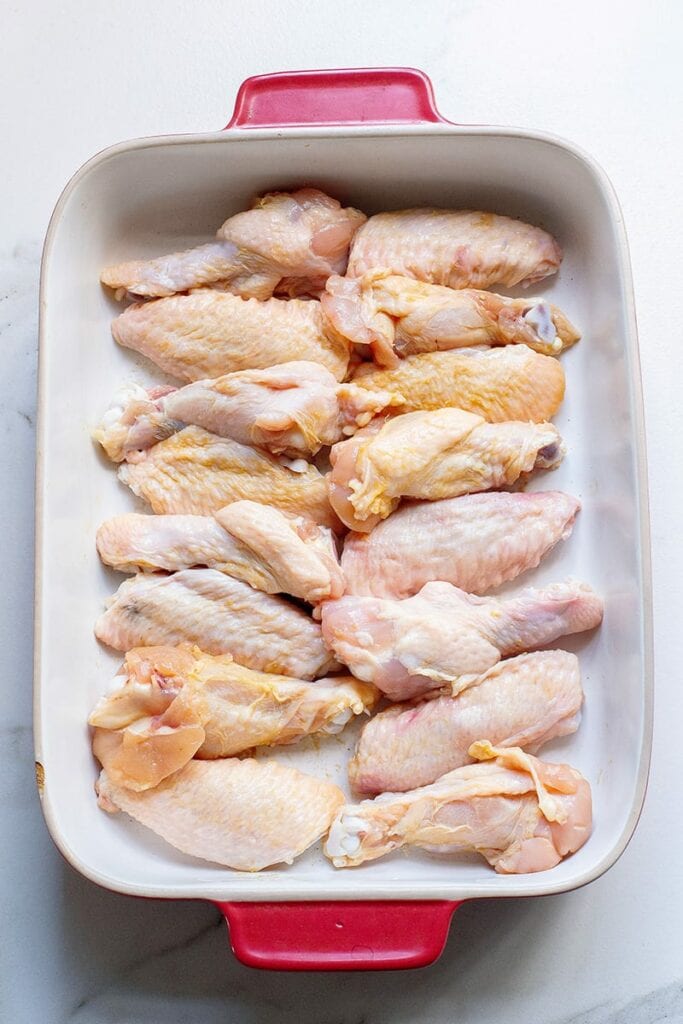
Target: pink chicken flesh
290,241
476,542
520,813
410,647
456,248
524,702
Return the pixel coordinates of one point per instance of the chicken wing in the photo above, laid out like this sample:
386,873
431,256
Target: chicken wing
301,236
399,316
476,542
520,813
511,383
437,454
292,409
209,334
197,472
269,549
456,248
177,702
221,615
524,702
245,814
410,647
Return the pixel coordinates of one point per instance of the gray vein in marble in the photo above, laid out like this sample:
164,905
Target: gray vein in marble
662,1004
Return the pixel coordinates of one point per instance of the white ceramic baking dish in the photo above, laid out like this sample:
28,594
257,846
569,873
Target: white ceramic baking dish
374,139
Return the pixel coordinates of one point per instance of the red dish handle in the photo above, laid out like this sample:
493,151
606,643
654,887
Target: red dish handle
342,96
338,936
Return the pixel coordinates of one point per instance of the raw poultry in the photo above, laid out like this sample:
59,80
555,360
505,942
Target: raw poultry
523,702
197,473
219,614
175,703
244,814
520,813
456,248
209,334
399,316
271,550
475,541
292,241
432,455
501,384
410,647
292,409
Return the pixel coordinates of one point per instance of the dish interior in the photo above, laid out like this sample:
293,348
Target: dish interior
152,198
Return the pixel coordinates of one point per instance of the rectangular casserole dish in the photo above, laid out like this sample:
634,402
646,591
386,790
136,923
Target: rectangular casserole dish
373,139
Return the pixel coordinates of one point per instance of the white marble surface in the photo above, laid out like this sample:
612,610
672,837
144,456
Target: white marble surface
80,75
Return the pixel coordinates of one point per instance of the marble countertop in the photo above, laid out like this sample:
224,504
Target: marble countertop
79,76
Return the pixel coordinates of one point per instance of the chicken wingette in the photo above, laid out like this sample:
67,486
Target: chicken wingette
501,384
244,814
195,472
523,702
476,542
219,614
456,248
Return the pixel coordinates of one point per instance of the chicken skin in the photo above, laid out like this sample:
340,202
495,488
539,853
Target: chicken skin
501,384
268,549
398,316
524,702
432,455
411,647
177,702
456,248
476,542
520,813
197,473
292,409
209,334
301,237
219,614
244,814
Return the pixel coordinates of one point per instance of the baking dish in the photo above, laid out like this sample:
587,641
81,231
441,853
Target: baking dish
374,139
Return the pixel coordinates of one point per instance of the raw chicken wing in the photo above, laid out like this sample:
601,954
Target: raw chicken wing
269,549
302,236
437,454
209,334
476,542
398,316
245,814
520,813
457,248
176,702
292,409
197,472
523,702
410,647
499,384
219,614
